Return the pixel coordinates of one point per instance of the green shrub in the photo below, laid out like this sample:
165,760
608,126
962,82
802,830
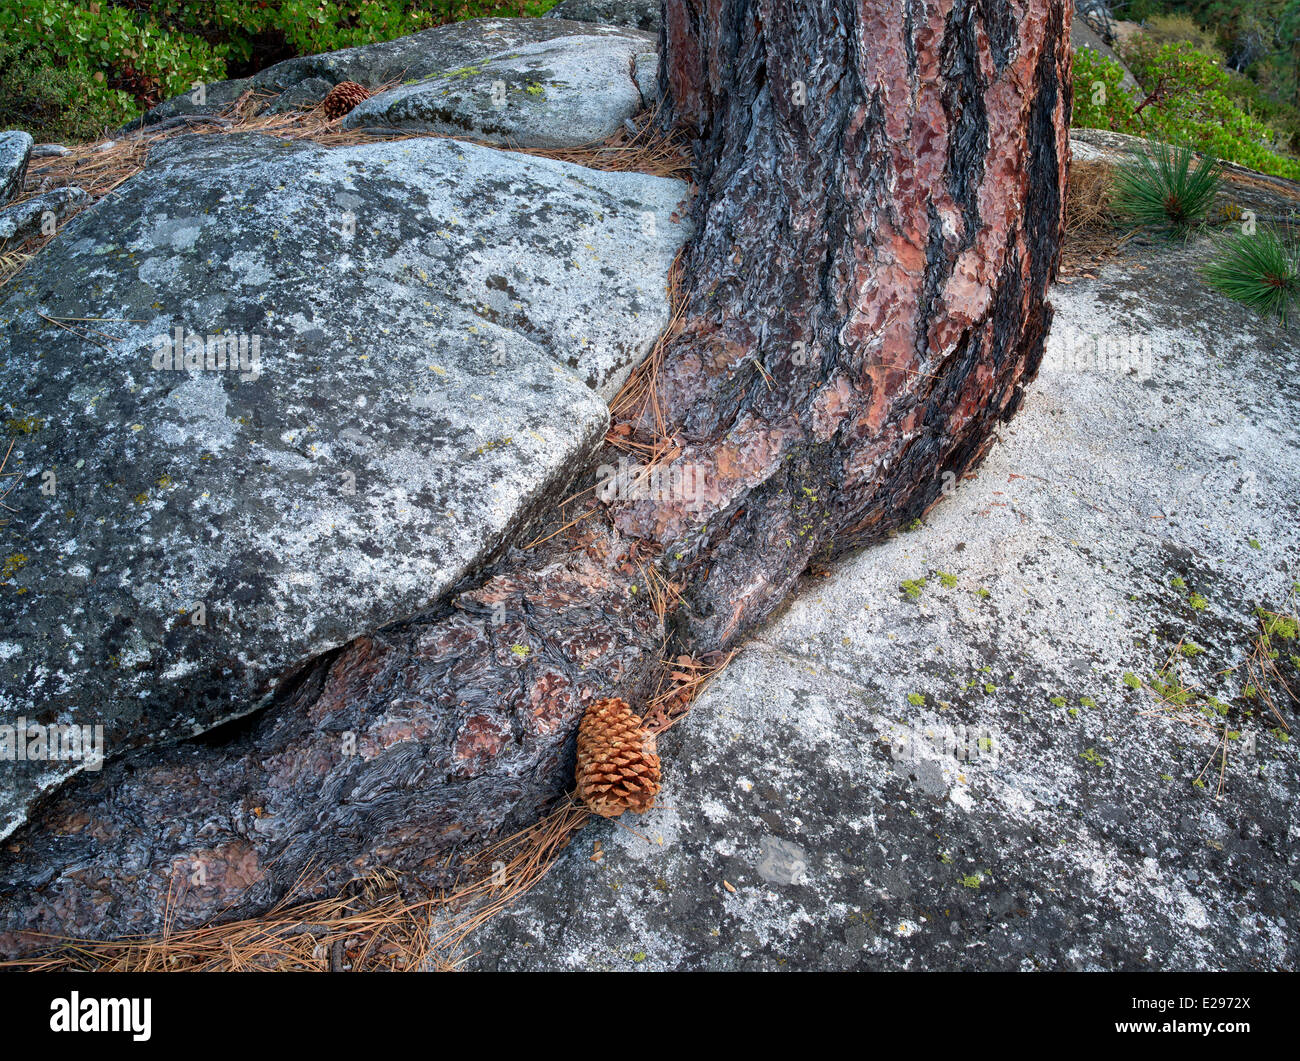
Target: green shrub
54,102
1260,269
123,57
1188,98
114,47
310,27
1167,188
1200,102
1100,99
1272,57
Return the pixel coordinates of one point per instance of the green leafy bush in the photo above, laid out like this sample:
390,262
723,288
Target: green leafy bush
39,93
113,48
309,27
124,57
1260,269
1187,98
1261,39
1209,104
1100,99
1167,189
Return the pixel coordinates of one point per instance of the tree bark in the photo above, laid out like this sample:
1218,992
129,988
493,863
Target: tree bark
878,218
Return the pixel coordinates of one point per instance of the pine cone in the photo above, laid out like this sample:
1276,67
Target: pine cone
618,769
342,98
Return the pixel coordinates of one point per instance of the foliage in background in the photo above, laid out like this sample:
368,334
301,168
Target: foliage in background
1260,269
58,102
1169,29
1187,97
1260,38
98,64
1100,99
1167,189
1208,105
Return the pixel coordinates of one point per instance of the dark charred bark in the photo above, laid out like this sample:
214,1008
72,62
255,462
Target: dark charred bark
878,219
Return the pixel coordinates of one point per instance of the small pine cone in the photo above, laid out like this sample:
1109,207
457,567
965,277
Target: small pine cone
618,769
342,98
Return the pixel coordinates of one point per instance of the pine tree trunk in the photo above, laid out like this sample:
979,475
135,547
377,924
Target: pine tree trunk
878,218
881,206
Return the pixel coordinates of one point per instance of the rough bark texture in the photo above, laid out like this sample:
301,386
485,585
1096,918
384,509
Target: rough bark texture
878,219
902,225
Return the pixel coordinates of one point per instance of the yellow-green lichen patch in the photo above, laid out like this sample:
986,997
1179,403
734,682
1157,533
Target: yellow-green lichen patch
24,425
12,565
